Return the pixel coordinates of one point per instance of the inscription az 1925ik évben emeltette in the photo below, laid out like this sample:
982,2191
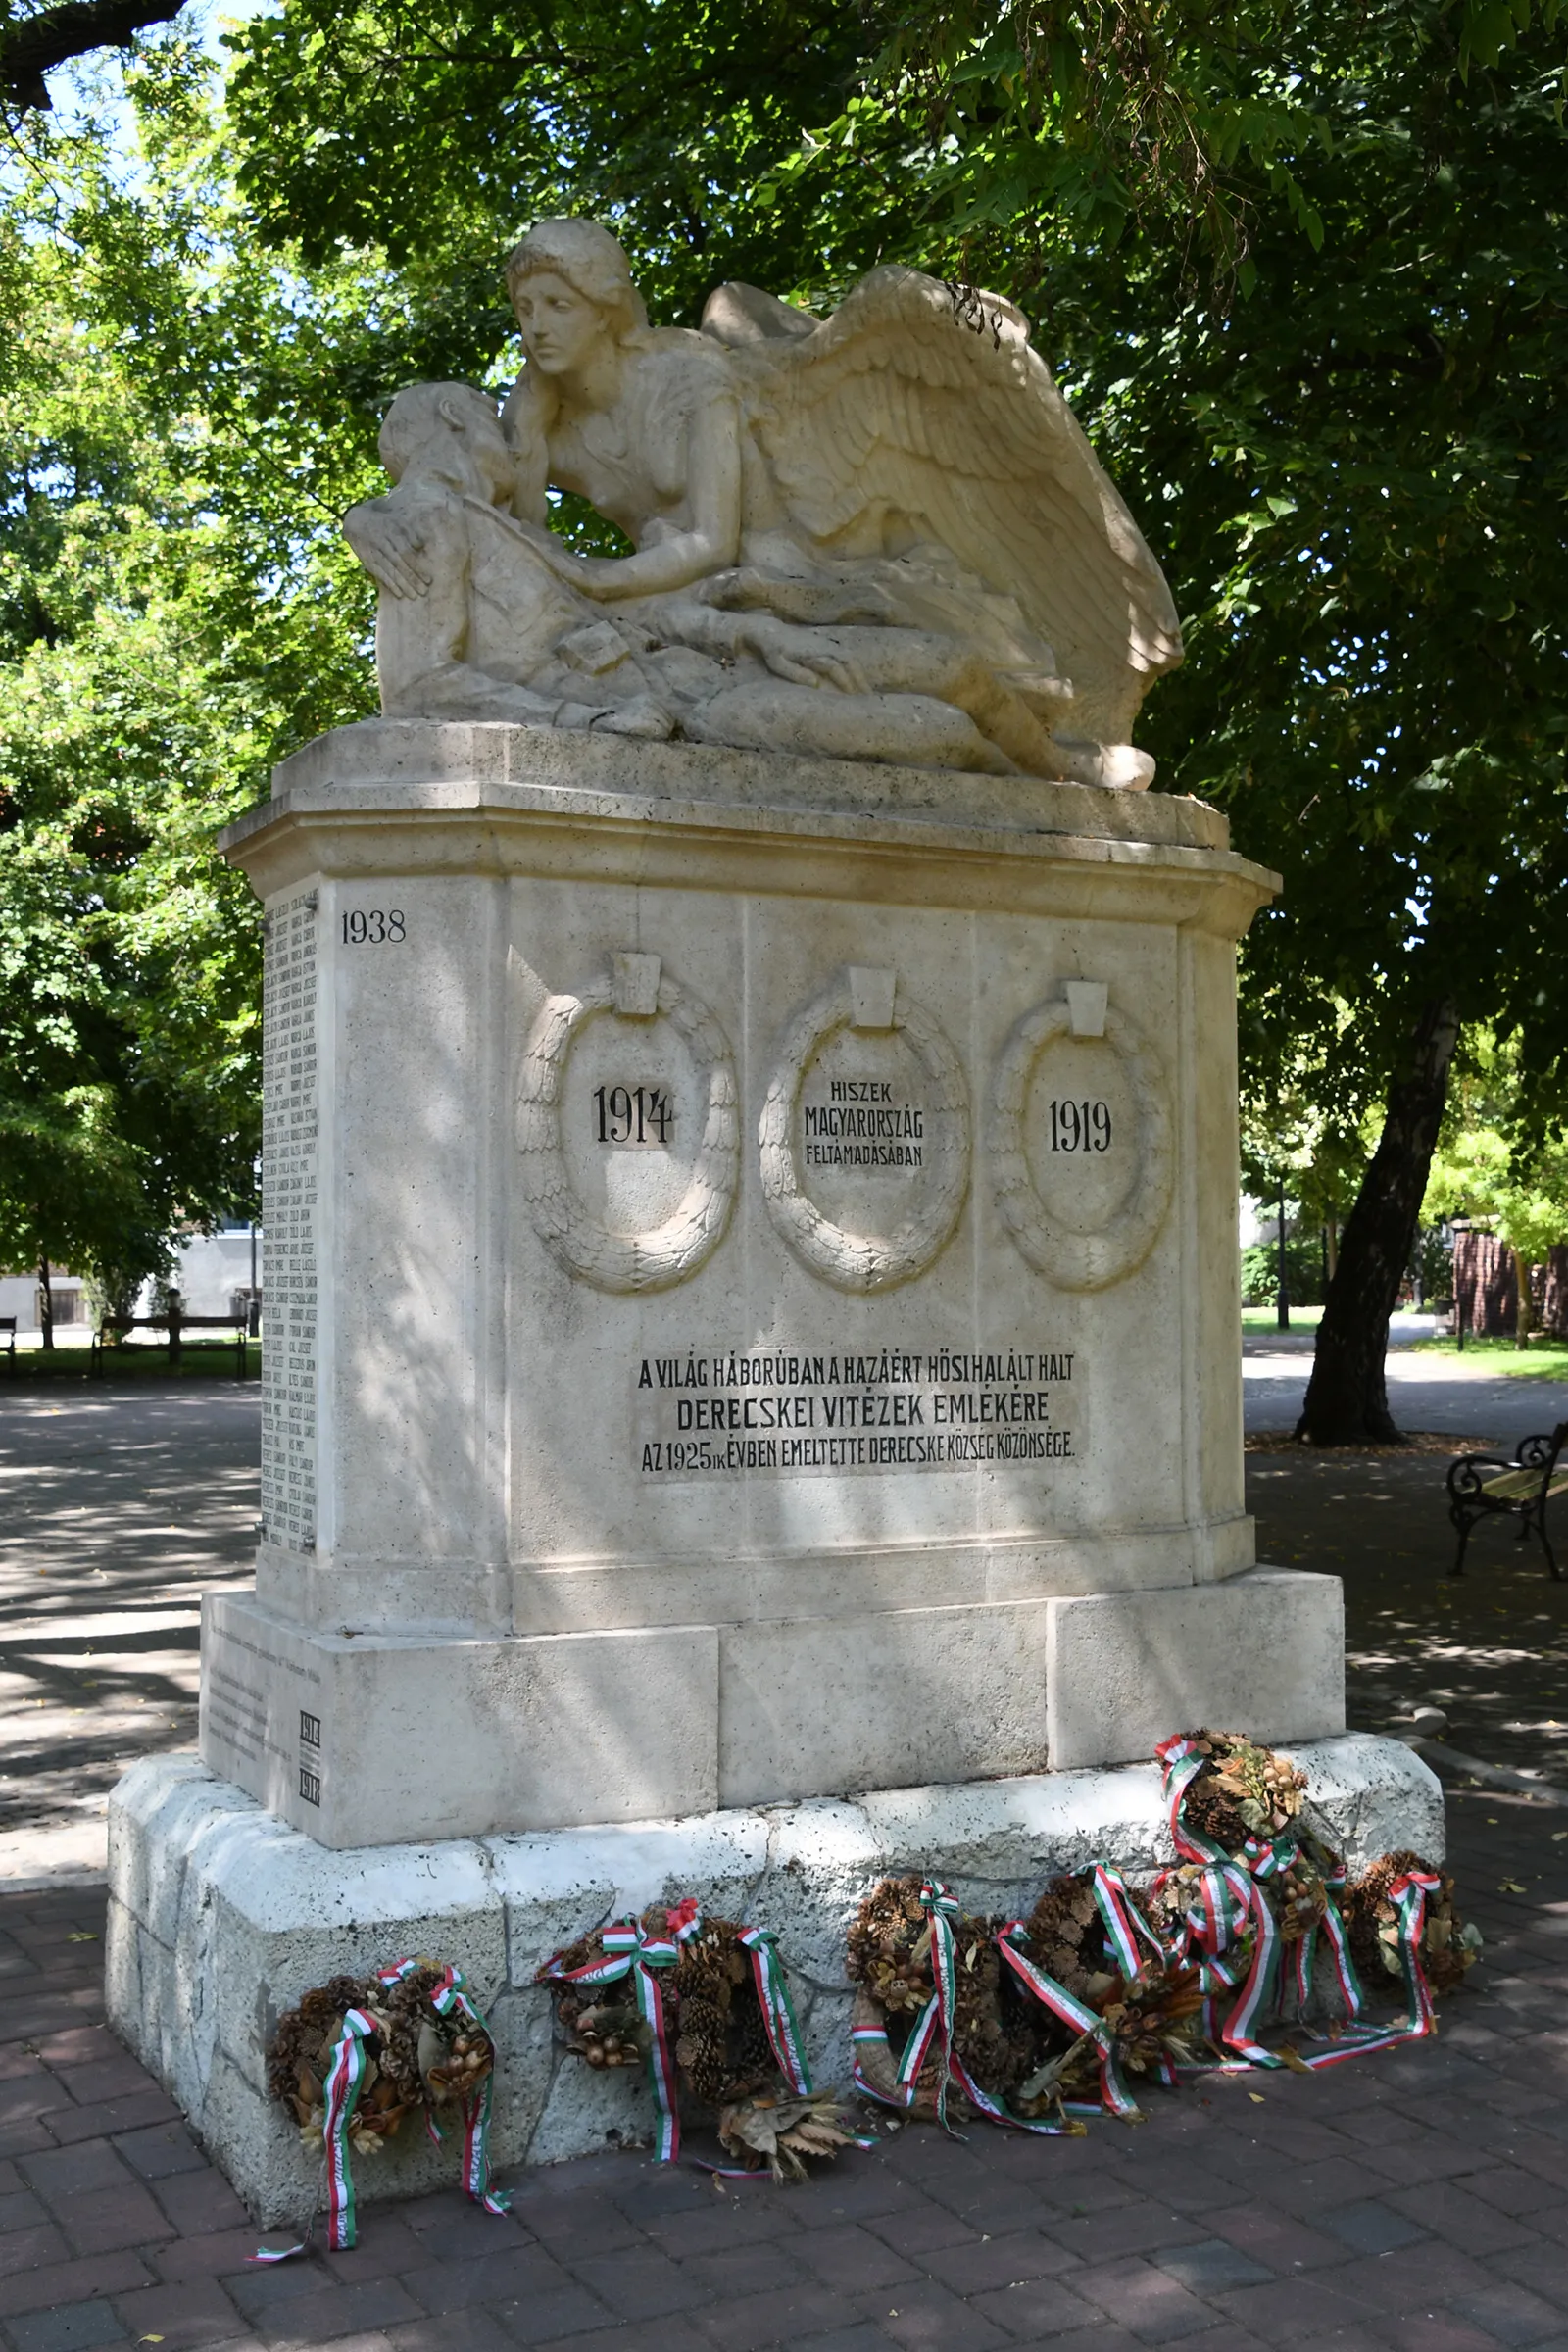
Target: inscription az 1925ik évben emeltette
778,1412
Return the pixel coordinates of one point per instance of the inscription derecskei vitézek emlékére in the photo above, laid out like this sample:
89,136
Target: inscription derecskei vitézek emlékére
794,1412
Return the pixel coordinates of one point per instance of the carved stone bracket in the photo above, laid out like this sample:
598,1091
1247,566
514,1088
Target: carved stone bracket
638,990
1072,1260
864,998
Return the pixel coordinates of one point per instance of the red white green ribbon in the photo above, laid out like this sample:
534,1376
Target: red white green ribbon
451,1998
1408,1895
778,2011
345,2080
1123,1921
934,2029
1073,2014
629,1952
1221,1930
933,2025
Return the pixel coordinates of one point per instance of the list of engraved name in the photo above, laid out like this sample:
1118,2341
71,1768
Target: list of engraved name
288,1223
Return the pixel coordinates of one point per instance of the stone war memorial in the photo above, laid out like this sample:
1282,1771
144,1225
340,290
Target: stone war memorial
751,1393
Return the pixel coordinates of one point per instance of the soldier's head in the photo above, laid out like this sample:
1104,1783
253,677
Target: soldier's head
451,434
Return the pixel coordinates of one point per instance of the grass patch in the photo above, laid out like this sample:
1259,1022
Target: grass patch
1542,1360
1258,1319
43,1367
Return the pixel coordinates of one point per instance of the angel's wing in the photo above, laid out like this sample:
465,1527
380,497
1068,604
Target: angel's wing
911,414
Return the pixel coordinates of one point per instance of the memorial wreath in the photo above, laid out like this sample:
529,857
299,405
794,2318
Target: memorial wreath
1040,2021
701,2005
359,2054
1036,2022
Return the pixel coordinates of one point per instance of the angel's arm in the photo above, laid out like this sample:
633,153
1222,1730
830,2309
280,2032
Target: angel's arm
708,542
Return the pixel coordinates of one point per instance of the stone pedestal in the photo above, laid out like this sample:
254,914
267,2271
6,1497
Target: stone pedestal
220,1917
751,1319
752,1269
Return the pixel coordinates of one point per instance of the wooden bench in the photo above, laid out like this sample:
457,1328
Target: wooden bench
174,1325
1520,1488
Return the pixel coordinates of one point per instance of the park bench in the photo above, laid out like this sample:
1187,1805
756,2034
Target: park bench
174,1325
1521,1489
7,1333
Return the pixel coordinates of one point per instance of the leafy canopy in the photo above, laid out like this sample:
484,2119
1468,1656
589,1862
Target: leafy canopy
1304,270
176,610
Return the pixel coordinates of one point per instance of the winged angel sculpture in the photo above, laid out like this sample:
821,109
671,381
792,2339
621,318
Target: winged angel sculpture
880,535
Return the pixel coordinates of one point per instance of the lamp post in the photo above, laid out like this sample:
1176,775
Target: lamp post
1459,1226
1282,1313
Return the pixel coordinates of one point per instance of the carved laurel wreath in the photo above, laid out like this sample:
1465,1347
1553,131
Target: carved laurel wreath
579,1241
1079,1261
858,1261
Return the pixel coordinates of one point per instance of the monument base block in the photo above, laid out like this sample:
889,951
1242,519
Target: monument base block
337,1733
220,1916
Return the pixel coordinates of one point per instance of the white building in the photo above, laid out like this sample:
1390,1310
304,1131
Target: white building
215,1273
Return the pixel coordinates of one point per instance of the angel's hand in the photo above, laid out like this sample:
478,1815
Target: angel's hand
561,561
799,655
390,546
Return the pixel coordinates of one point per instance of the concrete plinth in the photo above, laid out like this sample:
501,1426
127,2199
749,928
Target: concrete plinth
220,1916
448,1737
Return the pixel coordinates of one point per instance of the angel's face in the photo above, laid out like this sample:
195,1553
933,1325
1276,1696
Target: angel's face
562,330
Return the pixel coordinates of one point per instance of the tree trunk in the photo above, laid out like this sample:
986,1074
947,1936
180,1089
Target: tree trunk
46,1304
1346,1398
1524,1306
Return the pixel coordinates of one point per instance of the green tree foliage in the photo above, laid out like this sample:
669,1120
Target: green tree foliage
1305,274
433,134
174,612
1494,1165
1305,271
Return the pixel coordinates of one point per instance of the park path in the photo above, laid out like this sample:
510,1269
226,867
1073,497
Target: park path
1413,2201
1410,2202
120,1506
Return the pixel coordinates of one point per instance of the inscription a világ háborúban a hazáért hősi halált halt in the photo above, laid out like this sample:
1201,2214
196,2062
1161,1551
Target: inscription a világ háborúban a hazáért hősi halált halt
795,1412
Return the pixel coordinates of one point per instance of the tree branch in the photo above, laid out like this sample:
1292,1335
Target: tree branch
32,46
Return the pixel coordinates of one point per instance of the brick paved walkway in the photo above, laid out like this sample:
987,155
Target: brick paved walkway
1411,2200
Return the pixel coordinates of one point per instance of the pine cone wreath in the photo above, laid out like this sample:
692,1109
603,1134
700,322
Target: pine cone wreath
1449,1944
1156,2017
999,2031
404,2006
1065,1935
721,2043
301,2057
890,1960
598,2022
890,1948
713,2017
1243,1790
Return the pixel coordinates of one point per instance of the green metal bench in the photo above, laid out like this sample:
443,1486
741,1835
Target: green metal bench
1520,1488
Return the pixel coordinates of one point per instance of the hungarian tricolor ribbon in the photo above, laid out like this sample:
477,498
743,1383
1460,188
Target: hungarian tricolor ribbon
629,1951
1124,1923
1072,2013
935,2023
451,1998
778,2011
1408,1895
1222,1933
345,2080
1221,1929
